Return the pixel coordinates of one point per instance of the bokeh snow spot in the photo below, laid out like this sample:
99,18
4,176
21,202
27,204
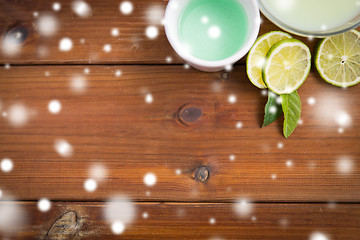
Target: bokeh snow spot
232,157
63,148
280,145
228,68
6,165
81,8
90,185
56,6
214,32
343,119
78,84
65,44
47,25
239,125
155,14
177,171
212,221
204,19
149,179
311,101
272,110
151,32
149,98
44,205
18,115
318,236
289,163
243,207
284,222
13,216
168,59
98,171
126,7
115,32
117,227
11,44
54,106
107,48
145,215
232,99
345,165
119,211
118,73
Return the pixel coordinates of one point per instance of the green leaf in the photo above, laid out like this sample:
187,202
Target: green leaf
291,105
273,108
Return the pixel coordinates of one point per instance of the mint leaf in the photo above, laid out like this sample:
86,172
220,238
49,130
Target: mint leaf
291,105
273,108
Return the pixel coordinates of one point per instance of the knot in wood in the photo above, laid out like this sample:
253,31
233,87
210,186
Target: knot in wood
64,228
190,114
17,34
201,174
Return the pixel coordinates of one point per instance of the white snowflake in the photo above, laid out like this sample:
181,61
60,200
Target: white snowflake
151,32
18,115
81,8
107,48
54,106
47,25
56,6
232,99
6,165
65,44
44,205
126,7
117,227
63,148
115,32
90,185
150,179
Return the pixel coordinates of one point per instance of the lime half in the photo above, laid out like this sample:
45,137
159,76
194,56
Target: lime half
338,59
256,57
287,65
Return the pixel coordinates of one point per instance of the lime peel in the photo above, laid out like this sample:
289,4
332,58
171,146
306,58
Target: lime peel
287,66
342,53
256,56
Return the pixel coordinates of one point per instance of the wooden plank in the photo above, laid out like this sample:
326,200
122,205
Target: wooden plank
109,123
89,35
187,221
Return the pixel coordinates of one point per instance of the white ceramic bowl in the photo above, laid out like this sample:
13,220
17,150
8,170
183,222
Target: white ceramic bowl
172,14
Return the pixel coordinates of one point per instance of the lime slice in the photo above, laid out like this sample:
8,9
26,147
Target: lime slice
256,57
287,65
338,59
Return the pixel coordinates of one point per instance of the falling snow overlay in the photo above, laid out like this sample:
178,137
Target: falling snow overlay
108,132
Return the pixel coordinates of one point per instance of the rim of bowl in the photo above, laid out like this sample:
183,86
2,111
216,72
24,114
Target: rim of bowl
292,30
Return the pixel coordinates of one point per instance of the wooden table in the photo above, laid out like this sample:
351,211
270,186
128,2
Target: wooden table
138,109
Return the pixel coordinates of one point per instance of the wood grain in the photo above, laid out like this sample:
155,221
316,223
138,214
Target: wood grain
89,35
189,221
108,122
